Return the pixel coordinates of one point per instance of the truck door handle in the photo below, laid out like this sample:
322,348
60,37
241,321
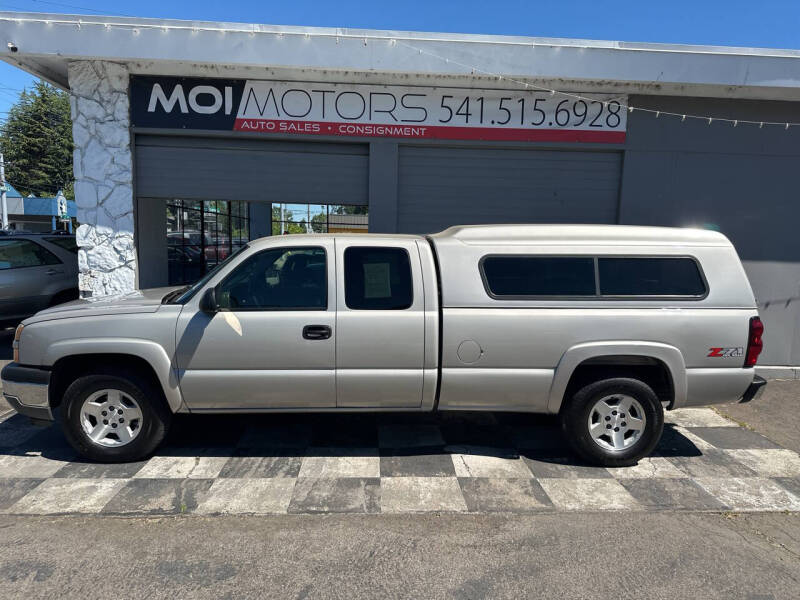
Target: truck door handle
53,272
316,332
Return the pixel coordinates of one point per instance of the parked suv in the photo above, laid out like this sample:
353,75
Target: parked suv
36,271
604,326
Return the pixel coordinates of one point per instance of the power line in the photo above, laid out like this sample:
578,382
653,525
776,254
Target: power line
72,6
92,10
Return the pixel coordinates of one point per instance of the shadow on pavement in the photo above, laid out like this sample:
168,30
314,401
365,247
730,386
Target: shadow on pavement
504,435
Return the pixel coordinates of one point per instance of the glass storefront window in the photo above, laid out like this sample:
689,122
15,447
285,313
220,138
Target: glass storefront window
319,218
201,234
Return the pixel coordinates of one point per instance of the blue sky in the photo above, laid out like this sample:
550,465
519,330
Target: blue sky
769,23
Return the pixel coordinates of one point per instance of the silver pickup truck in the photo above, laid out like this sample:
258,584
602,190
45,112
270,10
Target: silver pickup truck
604,326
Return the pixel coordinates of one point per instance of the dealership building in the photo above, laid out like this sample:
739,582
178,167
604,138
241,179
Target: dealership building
193,137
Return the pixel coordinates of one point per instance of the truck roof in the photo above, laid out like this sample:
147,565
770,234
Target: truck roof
582,234
270,240
543,235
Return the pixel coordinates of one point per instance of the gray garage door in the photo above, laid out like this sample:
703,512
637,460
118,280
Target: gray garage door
440,187
251,170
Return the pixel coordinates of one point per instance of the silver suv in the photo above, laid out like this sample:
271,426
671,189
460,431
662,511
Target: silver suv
36,271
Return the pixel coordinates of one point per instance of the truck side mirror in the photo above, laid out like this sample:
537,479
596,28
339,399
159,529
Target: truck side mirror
208,303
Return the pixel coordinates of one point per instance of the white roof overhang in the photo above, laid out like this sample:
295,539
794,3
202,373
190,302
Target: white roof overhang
45,43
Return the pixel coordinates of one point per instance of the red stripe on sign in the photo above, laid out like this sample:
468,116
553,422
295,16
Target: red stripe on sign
429,131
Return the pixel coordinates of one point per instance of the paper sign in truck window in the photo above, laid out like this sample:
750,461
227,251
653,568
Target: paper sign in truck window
377,280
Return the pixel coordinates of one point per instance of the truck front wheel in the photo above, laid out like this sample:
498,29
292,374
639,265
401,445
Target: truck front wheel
109,418
613,422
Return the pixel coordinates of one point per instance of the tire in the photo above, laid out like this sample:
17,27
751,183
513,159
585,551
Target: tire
621,440
93,399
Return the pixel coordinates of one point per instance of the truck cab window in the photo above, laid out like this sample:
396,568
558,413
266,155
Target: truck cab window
377,278
278,279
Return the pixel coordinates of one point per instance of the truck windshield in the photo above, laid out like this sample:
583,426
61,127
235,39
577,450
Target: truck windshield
189,293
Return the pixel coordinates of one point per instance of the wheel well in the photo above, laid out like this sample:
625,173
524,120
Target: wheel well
651,371
68,369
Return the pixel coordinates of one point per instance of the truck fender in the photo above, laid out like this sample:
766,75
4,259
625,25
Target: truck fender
577,354
151,352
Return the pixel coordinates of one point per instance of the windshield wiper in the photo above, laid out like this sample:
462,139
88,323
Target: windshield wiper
174,294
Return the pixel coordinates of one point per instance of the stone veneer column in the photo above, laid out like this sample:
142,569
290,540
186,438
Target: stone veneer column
103,177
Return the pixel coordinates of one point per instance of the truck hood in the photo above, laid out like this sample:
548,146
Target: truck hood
139,301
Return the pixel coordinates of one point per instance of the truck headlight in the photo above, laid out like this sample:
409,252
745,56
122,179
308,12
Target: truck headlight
15,344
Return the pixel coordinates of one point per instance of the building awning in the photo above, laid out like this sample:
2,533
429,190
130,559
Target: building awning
44,44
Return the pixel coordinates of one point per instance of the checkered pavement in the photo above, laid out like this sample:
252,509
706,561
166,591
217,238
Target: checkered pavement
395,463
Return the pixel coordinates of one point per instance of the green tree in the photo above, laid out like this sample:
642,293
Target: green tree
36,140
290,224
319,223
344,209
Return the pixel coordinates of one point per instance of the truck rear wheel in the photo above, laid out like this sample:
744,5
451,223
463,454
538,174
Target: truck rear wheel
110,418
613,422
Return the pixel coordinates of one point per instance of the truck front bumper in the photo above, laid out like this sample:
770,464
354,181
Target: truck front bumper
26,390
755,390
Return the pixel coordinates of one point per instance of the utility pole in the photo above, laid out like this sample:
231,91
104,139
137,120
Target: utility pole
3,192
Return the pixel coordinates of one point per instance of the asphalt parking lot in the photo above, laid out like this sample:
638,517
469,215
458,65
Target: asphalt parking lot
471,505
713,514
694,521
663,555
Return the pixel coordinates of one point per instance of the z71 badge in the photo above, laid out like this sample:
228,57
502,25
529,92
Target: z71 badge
726,352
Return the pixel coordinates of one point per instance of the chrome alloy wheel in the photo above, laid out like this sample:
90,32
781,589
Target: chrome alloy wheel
111,418
616,422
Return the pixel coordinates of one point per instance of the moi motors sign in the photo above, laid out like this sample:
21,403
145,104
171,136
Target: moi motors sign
354,110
